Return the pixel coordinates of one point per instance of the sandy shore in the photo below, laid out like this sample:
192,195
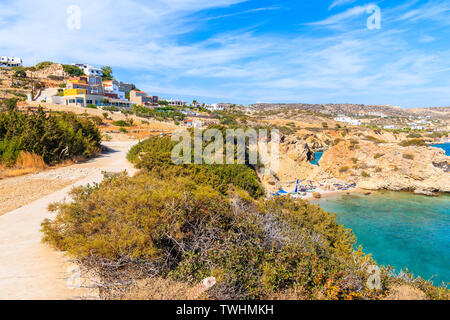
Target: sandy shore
328,193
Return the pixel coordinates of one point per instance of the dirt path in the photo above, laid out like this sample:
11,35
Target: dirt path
30,269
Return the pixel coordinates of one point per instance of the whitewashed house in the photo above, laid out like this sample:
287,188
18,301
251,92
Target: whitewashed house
348,120
111,87
89,70
10,62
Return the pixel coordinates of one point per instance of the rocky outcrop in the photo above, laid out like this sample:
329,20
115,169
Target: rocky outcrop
54,70
296,149
294,164
375,166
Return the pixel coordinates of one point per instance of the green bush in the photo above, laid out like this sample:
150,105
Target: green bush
343,169
10,104
167,113
414,135
186,230
378,155
54,137
408,156
73,71
155,154
21,73
43,65
111,109
195,221
121,123
413,142
91,106
374,139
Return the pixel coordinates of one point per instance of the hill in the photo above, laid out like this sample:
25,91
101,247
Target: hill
357,109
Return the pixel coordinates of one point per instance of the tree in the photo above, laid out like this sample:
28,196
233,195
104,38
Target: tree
20,74
73,71
107,73
43,65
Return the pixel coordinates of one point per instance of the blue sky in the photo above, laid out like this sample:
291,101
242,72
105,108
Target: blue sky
247,51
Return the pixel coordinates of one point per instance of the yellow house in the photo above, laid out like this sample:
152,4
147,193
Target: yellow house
74,92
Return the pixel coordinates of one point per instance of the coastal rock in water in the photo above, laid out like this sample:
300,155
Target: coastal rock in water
424,192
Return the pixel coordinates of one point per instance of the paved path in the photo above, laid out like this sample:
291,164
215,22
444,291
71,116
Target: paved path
30,269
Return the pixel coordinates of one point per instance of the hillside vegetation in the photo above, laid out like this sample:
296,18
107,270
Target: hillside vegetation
53,137
186,223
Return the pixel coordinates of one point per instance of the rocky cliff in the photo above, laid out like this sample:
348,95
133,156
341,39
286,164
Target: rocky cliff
54,70
389,166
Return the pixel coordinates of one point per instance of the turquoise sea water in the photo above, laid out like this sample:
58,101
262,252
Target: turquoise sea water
318,155
445,146
400,229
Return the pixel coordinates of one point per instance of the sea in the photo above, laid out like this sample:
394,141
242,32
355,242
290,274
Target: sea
399,229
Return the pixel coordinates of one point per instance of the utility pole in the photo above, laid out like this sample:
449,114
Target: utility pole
32,86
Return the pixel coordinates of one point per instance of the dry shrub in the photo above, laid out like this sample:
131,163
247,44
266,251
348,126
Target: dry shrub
159,288
26,163
317,195
11,173
408,156
289,294
28,160
405,292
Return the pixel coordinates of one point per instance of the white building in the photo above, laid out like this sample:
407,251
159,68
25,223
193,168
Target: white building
378,114
348,120
189,113
215,107
193,123
390,127
89,70
10,62
178,103
112,87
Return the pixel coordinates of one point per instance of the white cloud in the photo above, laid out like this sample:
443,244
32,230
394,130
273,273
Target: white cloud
337,3
427,39
352,65
432,10
340,18
244,12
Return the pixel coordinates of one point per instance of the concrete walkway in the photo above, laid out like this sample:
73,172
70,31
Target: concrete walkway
30,269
